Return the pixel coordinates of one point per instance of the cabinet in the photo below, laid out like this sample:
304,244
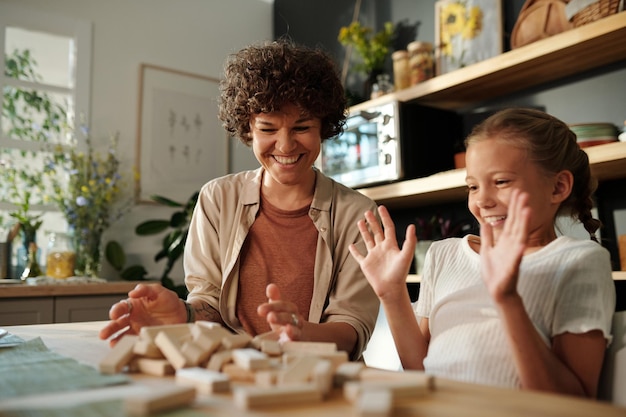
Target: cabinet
62,303
567,54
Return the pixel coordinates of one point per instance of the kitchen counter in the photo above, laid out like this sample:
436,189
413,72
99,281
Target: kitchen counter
63,288
62,301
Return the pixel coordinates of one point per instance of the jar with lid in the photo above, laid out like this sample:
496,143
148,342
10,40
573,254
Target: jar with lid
421,61
382,86
61,256
401,74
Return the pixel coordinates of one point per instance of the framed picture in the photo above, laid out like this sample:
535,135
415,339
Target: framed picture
180,142
466,32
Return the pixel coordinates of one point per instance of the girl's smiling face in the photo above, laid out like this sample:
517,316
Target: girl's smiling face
494,168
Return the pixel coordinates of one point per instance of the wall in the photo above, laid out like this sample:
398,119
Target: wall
188,35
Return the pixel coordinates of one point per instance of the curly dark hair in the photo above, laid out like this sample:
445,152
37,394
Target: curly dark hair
264,77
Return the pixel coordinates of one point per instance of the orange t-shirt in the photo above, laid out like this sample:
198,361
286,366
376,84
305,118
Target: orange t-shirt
280,249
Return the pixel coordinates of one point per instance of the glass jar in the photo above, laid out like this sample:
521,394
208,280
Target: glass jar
421,61
382,86
401,74
61,256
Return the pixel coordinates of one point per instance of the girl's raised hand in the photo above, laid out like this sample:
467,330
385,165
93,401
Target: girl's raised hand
500,260
385,265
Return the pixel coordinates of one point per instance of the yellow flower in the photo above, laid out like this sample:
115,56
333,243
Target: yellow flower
453,18
474,23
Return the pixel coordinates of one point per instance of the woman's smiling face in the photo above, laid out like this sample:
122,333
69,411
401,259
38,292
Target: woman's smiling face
286,143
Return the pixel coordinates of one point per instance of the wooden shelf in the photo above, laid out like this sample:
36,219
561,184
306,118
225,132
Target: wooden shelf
608,161
416,279
572,52
581,49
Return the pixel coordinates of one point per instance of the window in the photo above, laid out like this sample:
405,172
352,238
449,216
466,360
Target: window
45,87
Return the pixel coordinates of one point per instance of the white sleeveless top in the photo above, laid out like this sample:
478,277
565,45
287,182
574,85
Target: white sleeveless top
566,286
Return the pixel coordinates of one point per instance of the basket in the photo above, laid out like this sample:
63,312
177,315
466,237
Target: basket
595,11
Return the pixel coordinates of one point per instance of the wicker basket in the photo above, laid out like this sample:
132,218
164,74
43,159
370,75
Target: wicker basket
595,11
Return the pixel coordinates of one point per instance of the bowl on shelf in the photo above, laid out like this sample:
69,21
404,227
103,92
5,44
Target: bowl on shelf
590,134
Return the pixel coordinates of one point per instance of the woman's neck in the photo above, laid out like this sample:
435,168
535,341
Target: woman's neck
289,196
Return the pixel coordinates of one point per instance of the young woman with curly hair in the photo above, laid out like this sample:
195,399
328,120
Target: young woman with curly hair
268,249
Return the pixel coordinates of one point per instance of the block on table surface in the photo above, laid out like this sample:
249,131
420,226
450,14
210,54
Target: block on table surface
298,370
155,367
204,380
119,355
158,399
147,348
178,331
247,397
172,349
374,403
322,376
236,341
399,389
309,348
250,359
219,359
348,371
195,353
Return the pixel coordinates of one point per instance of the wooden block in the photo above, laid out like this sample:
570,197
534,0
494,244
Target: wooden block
374,403
195,353
298,371
159,398
156,367
219,359
172,349
400,389
119,355
204,380
259,338
208,342
419,377
236,341
322,376
271,347
336,358
266,378
348,371
309,348
250,359
147,349
180,331
237,373
247,397
211,329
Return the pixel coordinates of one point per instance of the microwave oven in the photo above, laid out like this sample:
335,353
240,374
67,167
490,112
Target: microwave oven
389,142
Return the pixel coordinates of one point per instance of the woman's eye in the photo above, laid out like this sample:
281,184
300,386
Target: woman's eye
502,182
301,128
471,188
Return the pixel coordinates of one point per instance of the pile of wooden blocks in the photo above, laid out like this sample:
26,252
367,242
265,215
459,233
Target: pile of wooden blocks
206,358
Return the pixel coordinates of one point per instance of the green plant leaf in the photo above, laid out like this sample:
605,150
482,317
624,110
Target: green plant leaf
151,227
179,219
134,273
165,201
115,255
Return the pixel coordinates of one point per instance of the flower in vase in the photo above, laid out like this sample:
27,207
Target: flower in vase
87,187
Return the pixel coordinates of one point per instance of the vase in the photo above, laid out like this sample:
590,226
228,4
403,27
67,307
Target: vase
88,247
27,236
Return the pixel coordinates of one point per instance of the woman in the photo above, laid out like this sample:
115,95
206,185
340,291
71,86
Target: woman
268,249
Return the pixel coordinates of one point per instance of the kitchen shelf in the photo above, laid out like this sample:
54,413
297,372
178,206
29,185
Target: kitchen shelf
607,161
575,51
572,52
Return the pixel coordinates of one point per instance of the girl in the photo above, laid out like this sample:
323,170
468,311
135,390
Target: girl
517,306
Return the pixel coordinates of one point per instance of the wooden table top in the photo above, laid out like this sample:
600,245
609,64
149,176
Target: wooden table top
80,341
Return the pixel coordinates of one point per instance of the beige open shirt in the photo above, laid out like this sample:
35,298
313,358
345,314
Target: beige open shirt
226,209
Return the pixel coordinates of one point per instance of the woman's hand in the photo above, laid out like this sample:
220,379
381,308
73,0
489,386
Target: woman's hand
385,265
500,260
146,305
282,316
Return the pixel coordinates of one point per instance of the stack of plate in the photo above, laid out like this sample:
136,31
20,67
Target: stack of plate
590,134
